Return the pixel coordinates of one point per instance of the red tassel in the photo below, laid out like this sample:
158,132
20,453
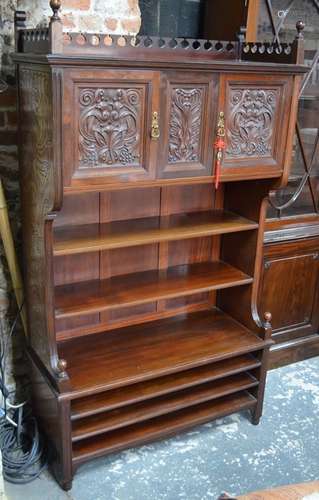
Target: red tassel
220,146
217,173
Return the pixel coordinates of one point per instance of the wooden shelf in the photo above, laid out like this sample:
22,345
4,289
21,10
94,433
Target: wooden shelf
132,414
109,400
160,426
142,352
138,288
94,237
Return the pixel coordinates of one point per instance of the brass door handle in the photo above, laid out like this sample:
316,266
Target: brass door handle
155,132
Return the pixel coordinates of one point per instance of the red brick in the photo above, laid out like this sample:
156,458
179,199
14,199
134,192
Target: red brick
68,21
131,25
77,4
111,23
134,8
8,98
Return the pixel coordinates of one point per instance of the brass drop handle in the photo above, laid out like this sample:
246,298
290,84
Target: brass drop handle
155,132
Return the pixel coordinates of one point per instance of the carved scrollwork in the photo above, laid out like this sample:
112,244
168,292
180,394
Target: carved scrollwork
185,125
250,125
109,127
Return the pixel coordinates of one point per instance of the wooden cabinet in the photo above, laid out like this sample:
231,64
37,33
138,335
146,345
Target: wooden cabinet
291,233
107,117
290,290
141,277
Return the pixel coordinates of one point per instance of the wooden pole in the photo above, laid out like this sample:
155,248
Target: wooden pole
6,236
252,20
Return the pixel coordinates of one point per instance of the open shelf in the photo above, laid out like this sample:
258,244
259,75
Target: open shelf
148,286
116,398
119,234
131,414
160,426
142,352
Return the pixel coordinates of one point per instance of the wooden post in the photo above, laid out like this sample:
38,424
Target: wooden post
6,236
55,29
298,47
252,20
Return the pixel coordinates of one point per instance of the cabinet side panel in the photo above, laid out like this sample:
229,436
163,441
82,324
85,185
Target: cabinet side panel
37,179
54,420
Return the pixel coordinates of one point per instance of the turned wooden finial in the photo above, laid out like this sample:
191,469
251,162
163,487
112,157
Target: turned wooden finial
61,366
300,26
55,6
268,317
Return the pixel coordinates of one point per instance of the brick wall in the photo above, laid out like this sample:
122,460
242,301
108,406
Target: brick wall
113,16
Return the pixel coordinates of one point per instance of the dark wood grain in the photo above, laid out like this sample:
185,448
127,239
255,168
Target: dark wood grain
79,239
115,419
287,266
135,393
139,288
143,352
161,426
110,208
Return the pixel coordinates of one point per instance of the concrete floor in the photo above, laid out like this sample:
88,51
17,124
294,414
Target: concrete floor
228,455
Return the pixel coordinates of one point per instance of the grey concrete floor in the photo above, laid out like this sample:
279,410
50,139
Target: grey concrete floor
230,454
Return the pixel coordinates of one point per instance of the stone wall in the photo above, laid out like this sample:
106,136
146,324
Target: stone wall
113,16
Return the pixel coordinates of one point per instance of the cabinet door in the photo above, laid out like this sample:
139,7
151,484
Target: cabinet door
107,117
189,106
290,288
256,119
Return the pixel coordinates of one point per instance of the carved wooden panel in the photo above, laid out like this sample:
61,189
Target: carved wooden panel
251,122
187,125
257,124
107,119
110,126
37,186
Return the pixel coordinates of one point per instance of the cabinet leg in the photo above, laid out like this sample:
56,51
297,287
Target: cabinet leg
255,417
66,486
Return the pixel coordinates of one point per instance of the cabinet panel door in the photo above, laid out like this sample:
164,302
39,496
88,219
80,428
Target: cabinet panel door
256,120
187,124
290,286
107,125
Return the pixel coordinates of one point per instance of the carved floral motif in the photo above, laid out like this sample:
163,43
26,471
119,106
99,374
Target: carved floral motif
109,123
185,125
250,125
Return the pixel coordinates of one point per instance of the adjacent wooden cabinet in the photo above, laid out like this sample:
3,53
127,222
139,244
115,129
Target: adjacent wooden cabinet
290,288
141,277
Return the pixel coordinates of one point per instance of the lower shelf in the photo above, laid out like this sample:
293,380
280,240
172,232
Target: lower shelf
159,427
143,352
135,393
131,414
